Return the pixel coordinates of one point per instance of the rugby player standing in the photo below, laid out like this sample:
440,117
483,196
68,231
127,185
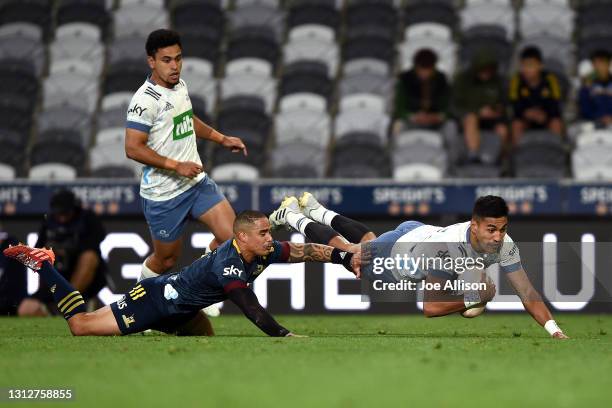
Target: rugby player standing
161,133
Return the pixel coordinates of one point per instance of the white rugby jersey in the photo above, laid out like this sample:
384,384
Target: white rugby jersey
167,116
453,242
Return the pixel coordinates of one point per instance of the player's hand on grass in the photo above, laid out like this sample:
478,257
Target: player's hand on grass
560,335
296,335
189,169
489,293
235,144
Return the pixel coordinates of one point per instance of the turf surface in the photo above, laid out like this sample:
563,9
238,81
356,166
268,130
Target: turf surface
494,360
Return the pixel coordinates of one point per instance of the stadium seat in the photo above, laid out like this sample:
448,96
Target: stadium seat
358,171
367,83
69,89
7,172
16,112
202,43
259,42
13,147
312,48
365,65
300,155
75,67
592,162
269,3
127,49
369,46
440,11
489,13
112,154
597,137
257,15
111,136
420,153
540,154
71,154
198,74
111,171
419,136
28,11
197,12
362,113
248,81
302,100
66,118
19,78
21,29
84,49
245,114
116,100
308,77
64,136
89,11
490,147
417,172
547,18
235,172
485,37
138,19
307,125
52,171
125,77
472,171
22,48
256,157
323,13
370,14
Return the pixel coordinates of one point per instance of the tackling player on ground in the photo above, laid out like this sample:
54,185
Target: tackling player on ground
168,302
483,236
161,133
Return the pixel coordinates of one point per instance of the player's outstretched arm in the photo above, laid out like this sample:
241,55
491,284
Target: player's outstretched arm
203,131
440,302
246,300
533,302
323,253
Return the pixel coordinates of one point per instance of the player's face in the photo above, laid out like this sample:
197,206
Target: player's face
490,233
531,68
166,65
258,238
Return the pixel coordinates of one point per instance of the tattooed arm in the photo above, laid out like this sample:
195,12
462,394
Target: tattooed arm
324,253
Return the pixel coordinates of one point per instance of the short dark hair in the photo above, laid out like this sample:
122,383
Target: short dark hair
425,58
531,52
600,54
160,39
247,217
490,206
63,201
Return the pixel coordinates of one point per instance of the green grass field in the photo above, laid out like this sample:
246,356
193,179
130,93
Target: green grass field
371,361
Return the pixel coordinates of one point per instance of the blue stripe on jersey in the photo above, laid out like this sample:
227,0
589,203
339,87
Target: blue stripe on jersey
511,268
130,124
145,174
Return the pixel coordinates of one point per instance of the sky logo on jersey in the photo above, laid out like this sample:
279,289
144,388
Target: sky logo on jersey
183,125
231,270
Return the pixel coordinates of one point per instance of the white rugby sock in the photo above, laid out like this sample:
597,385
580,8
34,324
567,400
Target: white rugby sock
298,221
146,272
322,215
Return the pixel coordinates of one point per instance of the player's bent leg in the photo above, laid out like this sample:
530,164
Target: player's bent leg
32,308
220,220
164,257
200,325
101,322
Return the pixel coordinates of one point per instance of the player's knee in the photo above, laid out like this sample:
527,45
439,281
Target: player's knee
368,236
79,325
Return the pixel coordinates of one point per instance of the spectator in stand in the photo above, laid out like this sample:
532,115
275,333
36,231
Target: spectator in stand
595,98
421,96
479,102
535,95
